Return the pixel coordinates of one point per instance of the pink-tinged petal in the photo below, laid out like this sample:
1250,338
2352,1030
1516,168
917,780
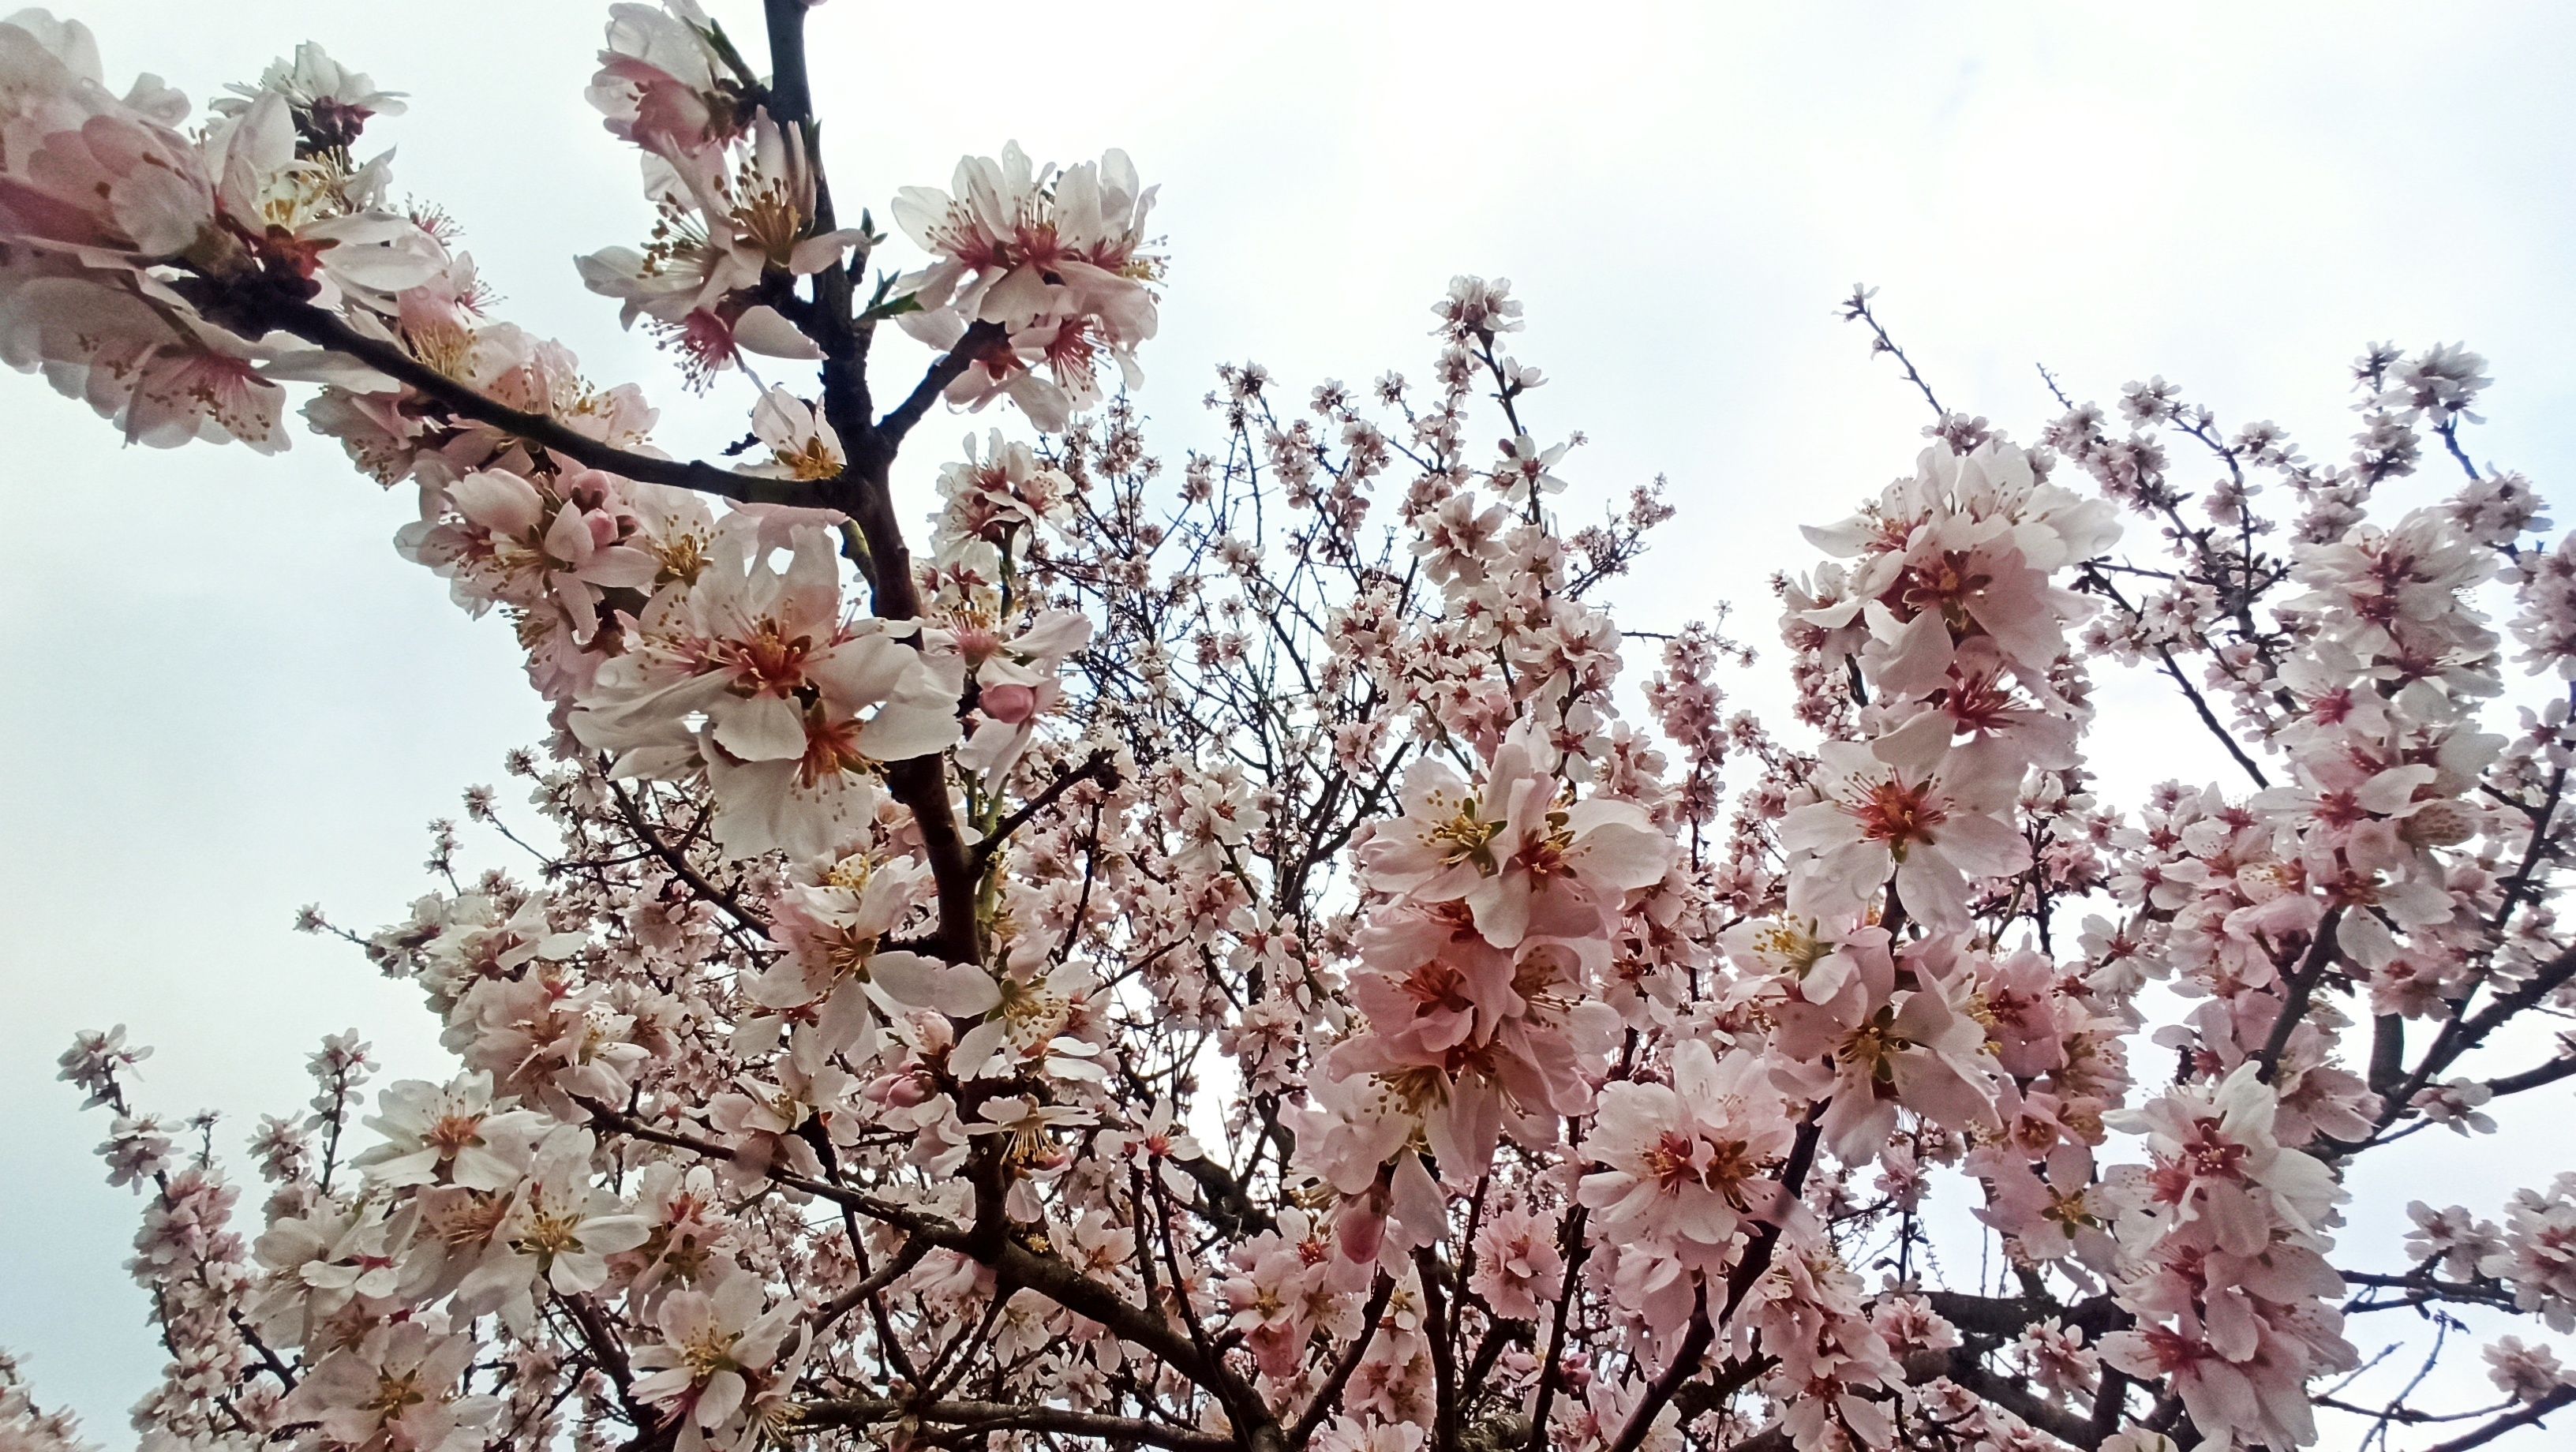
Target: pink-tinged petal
814,254
859,673
2014,611
764,728
378,251
721,1398
902,730
1981,846
1053,635
1914,659
914,980
1932,889
1359,1229
1933,1087
1695,1077
2235,1216
499,501
1501,908
258,145
766,331
1857,1125
1617,845
568,539
622,567
974,1052
1916,748
1419,1205
1815,827
1007,702
1464,1132
2392,790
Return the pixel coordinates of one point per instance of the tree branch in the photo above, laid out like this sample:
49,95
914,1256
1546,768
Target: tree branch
327,331
2294,999
1004,1416
1100,767
1329,1395
979,339
2526,1417
1739,1281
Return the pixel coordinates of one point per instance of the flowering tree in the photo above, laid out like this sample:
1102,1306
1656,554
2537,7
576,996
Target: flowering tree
1216,960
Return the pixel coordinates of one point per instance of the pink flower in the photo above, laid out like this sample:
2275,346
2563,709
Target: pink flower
1056,260
449,1134
2216,1163
162,382
2259,1400
1524,860
1873,1048
83,170
2525,1373
1518,1269
718,1346
396,1387
1682,1167
1910,804
799,701
1016,682
661,85
559,1232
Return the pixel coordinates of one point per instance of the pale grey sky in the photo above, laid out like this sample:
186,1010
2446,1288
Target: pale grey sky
236,699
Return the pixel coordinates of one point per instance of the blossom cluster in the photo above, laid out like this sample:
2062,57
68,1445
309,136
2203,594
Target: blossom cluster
1235,956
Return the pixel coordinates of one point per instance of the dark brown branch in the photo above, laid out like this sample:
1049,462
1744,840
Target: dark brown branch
1013,1264
791,95
2005,1317
1739,1281
2465,1031
1440,1330
1856,309
2063,1425
979,339
2209,718
2533,1078
2294,999
1328,1397
1574,1249
894,1270
678,862
2523,881
1100,767
1004,1416
327,331
2525,1417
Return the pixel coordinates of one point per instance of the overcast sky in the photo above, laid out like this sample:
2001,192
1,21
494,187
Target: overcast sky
236,699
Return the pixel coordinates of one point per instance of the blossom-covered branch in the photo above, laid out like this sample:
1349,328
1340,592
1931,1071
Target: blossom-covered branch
1215,956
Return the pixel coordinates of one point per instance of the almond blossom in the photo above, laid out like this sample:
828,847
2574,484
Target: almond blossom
1910,806
1203,949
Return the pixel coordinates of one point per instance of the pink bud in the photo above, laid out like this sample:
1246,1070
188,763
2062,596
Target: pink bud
1008,704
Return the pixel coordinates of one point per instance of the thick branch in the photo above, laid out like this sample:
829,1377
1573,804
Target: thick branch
1004,1416
2065,1426
1739,1281
2527,1416
2302,987
325,330
1100,767
2005,1317
951,366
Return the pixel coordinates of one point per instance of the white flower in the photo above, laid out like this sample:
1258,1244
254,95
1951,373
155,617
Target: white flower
1910,803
